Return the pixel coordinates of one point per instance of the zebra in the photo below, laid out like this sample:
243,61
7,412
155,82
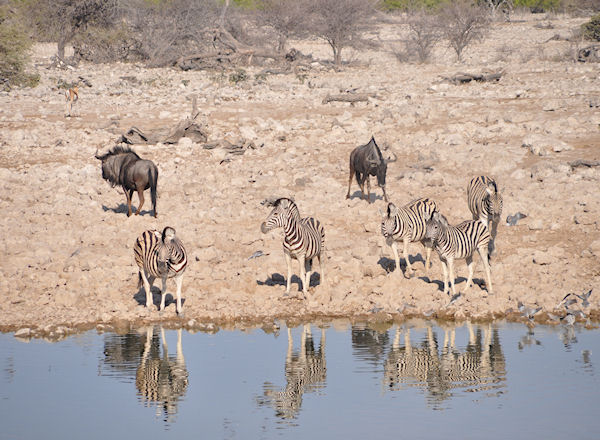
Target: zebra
305,372
485,203
304,240
160,256
458,242
161,380
408,224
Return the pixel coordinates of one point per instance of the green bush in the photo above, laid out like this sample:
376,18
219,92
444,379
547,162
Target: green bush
407,5
239,75
591,29
539,6
14,51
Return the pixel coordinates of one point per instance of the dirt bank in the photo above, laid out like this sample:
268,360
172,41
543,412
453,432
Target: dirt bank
68,245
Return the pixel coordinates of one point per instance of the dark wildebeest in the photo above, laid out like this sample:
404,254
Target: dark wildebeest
122,166
366,161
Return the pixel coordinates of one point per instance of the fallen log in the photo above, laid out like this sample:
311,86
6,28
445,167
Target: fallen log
584,163
349,97
463,78
189,128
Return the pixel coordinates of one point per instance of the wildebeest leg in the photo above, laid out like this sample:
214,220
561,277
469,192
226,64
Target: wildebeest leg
361,182
128,194
384,193
140,191
368,188
352,172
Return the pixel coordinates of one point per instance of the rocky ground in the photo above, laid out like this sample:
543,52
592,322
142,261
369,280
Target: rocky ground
67,244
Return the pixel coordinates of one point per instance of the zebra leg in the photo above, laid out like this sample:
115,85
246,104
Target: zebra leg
409,269
445,271
147,287
320,257
163,293
451,270
178,281
486,265
302,263
308,266
396,256
427,257
288,262
470,277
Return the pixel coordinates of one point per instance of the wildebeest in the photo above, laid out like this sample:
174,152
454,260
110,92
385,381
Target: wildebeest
122,166
366,161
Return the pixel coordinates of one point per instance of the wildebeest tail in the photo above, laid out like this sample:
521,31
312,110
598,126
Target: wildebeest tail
153,180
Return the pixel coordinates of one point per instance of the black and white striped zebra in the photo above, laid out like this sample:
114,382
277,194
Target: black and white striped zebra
304,239
160,256
485,203
408,224
459,242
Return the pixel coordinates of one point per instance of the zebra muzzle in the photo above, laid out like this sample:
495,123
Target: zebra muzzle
263,228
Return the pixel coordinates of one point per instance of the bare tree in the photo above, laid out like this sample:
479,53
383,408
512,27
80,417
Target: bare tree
462,23
424,34
495,6
286,17
62,20
340,23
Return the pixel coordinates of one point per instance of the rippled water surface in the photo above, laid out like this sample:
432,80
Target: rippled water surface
418,380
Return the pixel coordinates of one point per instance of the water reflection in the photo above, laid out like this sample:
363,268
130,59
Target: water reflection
161,380
305,371
479,367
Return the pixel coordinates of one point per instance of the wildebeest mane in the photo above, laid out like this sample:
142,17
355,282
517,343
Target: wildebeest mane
118,149
115,162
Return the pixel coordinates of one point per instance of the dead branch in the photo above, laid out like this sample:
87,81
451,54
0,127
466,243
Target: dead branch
349,97
463,78
584,163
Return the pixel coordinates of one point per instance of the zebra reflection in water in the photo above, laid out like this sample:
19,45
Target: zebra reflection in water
480,367
305,371
161,380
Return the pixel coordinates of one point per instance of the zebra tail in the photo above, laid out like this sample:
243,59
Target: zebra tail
153,179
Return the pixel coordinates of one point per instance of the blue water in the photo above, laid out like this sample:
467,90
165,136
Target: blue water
498,381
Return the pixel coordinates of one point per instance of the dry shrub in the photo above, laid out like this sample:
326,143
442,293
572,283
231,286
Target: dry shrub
463,23
424,34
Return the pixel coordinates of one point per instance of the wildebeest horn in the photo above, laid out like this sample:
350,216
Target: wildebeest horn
96,154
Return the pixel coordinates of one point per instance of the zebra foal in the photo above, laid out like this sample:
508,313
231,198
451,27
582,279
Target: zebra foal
408,224
459,242
160,255
304,240
485,203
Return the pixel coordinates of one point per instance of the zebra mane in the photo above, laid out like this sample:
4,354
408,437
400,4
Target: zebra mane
274,202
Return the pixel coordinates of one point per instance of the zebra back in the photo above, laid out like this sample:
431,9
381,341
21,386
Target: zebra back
484,199
160,254
302,236
458,241
409,220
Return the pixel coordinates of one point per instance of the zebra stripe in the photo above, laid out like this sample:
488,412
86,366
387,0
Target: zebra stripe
160,256
459,242
408,224
304,239
485,203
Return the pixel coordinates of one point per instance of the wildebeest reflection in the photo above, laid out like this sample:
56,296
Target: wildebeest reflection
305,371
479,367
